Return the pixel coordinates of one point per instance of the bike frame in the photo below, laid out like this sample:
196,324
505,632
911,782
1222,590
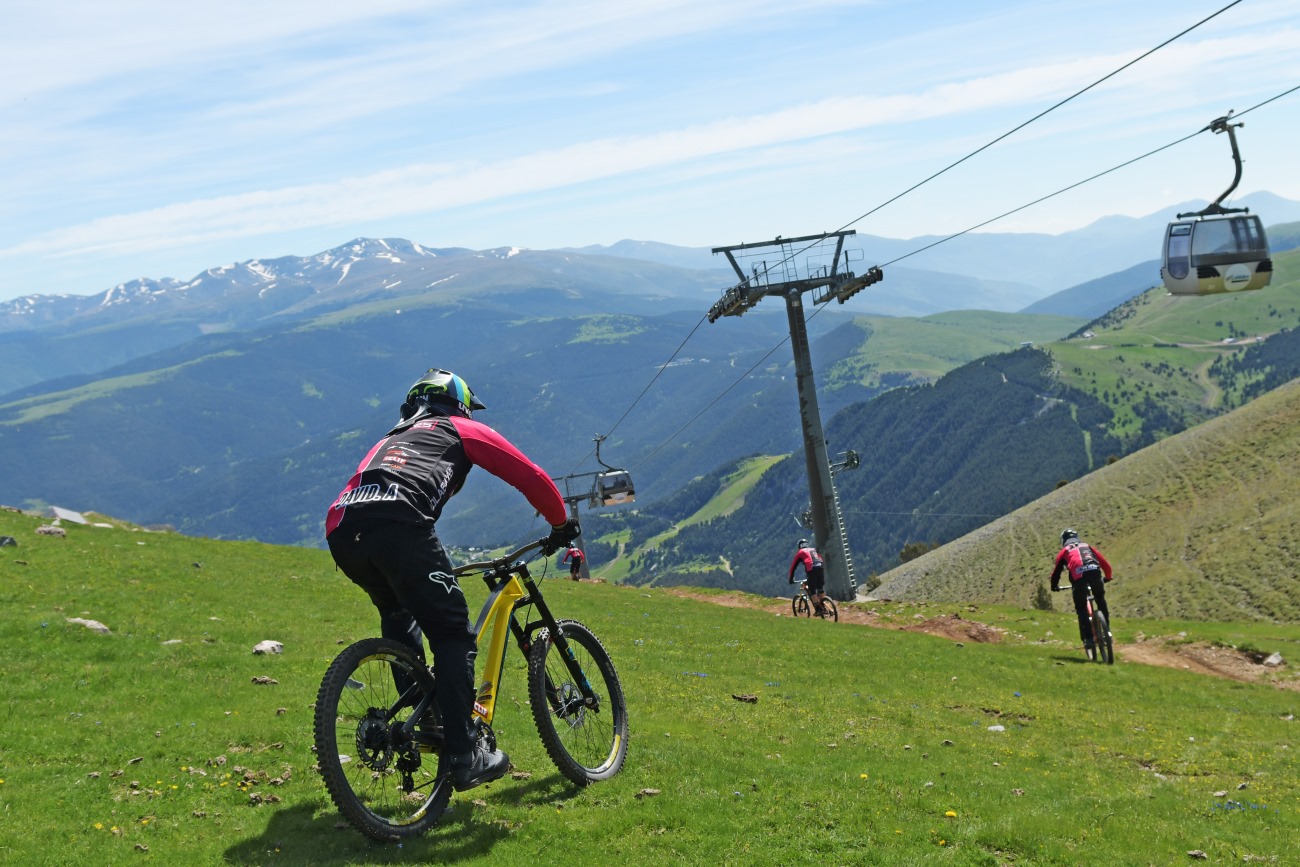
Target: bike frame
1092,609
511,587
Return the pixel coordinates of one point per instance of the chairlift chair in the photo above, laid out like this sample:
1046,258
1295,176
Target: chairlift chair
1217,249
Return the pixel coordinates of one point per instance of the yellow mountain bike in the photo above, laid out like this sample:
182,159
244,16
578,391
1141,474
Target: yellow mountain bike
378,738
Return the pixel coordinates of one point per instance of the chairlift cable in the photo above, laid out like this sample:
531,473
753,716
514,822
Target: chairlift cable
1039,200
1014,130
927,180
1267,101
1042,113
917,185
818,310
652,381
710,404
1079,183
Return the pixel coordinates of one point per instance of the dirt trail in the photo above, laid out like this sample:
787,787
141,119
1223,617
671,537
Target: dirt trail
1199,658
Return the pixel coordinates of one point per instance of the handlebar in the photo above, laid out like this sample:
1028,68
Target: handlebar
500,563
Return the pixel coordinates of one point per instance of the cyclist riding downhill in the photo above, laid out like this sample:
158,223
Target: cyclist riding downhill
1086,568
381,533
574,558
814,573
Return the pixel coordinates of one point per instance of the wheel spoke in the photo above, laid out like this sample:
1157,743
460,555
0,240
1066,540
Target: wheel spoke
380,779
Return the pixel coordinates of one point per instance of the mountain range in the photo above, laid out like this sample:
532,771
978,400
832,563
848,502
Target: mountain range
234,404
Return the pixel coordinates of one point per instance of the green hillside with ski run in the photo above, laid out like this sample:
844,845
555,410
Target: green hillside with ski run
940,460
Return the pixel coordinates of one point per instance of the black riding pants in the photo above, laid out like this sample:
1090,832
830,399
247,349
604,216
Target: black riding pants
407,574
1079,588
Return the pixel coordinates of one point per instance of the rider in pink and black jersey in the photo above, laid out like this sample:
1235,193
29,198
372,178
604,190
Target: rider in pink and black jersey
380,530
814,571
1087,568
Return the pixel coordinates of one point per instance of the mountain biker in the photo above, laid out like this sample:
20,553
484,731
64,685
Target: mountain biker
814,572
1087,568
380,531
574,558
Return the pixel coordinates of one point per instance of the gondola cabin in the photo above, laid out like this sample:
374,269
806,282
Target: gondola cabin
1207,255
615,488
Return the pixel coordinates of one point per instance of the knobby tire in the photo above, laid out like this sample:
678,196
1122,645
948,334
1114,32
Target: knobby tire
586,744
829,611
1105,645
389,787
801,606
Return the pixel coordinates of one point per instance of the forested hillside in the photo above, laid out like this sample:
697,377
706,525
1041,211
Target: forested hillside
940,460
251,434
937,460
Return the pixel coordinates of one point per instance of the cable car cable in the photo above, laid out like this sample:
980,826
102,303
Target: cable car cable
818,310
652,381
1014,130
1041,114
710,404
915,186
1080,183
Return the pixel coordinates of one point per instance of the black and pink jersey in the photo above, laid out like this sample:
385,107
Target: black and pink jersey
809,558
409,475
1075,559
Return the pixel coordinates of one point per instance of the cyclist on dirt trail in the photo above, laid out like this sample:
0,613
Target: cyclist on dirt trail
574,558
814,572
1086,567
380,531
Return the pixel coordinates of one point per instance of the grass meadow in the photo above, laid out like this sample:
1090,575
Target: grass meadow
154,744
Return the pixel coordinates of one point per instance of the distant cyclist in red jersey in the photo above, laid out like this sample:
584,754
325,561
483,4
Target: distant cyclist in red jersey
380,530
1087,568
574,558
814,571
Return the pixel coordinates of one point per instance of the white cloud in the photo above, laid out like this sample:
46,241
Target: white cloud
422,188
139,129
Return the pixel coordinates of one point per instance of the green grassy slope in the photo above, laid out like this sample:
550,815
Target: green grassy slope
1202,525
864,746
921,349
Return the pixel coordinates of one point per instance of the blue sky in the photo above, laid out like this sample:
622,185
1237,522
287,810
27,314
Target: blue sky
153,139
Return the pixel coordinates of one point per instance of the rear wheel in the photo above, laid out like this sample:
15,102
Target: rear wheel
385,782
586,743
1105,646
829,611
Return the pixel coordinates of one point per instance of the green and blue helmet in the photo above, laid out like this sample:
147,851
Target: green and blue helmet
441,388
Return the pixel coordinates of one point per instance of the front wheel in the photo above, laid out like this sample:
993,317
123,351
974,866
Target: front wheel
801,606
388,784
587,743
1105,645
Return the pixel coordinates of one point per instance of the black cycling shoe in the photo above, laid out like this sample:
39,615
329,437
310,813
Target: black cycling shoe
476,768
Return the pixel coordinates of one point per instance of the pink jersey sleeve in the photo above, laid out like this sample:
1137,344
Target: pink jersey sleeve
488,449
